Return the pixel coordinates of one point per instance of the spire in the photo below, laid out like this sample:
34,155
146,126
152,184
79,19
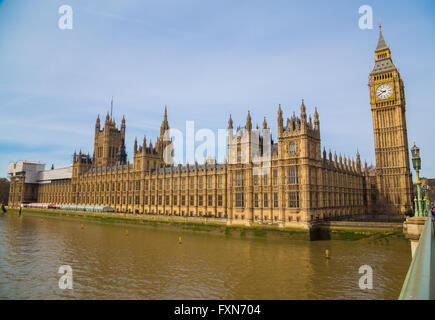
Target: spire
316,120
248,125
135,145
97,123
264,123
358,160
121,155
381,42
280,120
303,113
303,108
111,108
230,123
123,122
165,124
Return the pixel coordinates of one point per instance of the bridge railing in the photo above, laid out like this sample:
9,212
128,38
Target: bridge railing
420,280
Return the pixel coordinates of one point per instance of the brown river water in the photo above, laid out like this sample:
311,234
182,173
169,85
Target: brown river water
149,263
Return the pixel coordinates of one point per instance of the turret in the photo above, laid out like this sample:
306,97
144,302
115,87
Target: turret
165,124
230,123
280,120
97,124
135,145
248,125
144,144
316,120
358,161
121,156
303,114
123,128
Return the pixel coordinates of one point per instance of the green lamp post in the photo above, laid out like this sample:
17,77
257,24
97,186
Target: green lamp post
420,204
426,198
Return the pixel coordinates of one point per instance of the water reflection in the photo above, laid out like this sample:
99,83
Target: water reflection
149,263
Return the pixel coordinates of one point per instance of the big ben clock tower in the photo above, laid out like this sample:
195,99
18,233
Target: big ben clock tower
387,101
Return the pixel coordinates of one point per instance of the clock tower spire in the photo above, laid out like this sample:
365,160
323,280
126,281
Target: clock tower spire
387,101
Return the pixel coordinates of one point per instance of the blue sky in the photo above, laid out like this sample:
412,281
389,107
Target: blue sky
205,60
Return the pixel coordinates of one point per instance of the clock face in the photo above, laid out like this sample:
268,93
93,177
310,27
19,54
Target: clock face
384,91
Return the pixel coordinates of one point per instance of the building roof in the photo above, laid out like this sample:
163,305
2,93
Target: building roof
55,174
383,66
381,42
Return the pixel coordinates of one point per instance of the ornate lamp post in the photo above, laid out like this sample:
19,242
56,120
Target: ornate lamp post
420,204
426,198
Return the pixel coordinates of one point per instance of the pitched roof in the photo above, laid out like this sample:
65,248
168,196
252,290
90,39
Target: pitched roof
381,42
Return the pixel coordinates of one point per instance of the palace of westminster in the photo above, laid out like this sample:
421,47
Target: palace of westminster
304,184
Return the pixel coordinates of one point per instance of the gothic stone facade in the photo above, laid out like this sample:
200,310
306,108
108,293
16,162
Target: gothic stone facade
301,184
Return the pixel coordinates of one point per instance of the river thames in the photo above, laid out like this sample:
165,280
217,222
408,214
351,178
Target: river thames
109,262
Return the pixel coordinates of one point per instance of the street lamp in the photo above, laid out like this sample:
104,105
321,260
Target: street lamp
420,204
416,160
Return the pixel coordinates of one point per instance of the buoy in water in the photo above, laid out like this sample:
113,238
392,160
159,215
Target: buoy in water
179,240
327,254
126,232
82,226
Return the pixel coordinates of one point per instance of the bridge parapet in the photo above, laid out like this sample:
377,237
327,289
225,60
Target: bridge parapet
419,283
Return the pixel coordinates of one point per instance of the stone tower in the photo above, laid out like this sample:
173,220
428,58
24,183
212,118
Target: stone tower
299,148
107,141
150,157
387,101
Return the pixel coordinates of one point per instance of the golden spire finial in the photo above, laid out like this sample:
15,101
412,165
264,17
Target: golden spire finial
380,24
